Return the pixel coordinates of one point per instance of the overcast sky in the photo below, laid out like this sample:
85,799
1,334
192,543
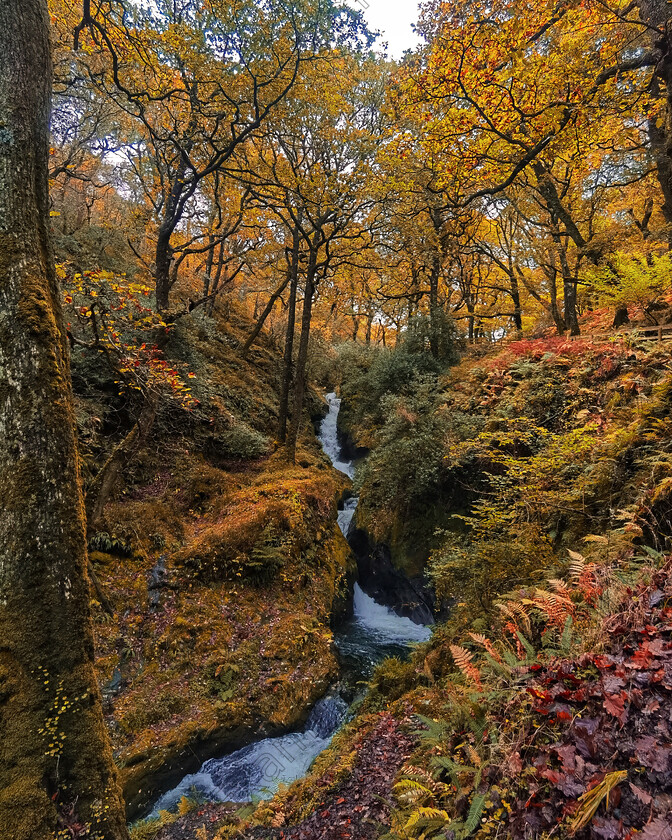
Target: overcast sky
393,18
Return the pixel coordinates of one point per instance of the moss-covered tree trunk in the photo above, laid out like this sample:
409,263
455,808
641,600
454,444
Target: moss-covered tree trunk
302,358
288,356
56,766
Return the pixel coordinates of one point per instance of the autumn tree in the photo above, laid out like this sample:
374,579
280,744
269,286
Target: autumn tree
311,169
191,82
541,105
56,769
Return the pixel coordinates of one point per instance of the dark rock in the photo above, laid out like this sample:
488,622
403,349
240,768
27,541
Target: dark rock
409,597
157,582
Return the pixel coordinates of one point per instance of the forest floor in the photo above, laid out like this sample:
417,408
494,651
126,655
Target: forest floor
223,564
585,751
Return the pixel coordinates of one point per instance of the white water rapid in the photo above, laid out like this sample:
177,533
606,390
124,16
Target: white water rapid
381,624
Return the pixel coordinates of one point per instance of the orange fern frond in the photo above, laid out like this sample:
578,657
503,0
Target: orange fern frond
484,642
517,613
559,586
463,661
555,607
583,576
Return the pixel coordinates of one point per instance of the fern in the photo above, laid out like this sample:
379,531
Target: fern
567,636
512,660
410,791
454,769
554,606
411,771
559,586
435,732
517,613
576,567
463,661
529,649
500,667
426,817
475,813
482,640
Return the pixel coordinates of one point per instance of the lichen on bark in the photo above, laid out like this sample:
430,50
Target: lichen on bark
55,761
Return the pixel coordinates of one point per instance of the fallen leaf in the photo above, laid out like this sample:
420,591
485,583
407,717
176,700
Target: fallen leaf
657,829
642,795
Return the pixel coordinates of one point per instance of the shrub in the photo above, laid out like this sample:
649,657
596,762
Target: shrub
369,374
405,468
423,329
110,544
242,441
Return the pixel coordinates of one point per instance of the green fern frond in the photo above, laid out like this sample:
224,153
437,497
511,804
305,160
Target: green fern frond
475,813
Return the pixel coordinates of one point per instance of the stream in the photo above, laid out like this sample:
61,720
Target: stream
373,633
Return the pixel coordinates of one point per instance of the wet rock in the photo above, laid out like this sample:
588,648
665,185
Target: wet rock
381,580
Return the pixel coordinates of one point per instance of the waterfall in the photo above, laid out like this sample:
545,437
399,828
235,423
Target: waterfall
374,632
328,437
376,625
384,623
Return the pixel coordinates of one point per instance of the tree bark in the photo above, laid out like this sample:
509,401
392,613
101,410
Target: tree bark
369,327
300,377
515,297
56,765
434,277
215,283
208,265
288,355
163,260
655,14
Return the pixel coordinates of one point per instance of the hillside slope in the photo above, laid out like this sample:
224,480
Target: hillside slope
541,707
223,565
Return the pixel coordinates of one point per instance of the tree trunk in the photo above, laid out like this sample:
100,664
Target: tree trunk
369,327
208,265
470,321
300,377
569,287
264,315
434,305
655,14
515,297
569,317
570,313
56,766
288,355
105,481
162,271
214,289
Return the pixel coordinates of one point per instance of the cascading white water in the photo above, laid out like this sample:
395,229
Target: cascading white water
384,624
255,771
328,437
380,623
374,632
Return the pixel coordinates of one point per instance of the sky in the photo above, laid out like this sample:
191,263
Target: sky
393,18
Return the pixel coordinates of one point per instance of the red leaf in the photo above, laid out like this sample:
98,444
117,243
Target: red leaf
657,829
615,705
650,753
642,795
